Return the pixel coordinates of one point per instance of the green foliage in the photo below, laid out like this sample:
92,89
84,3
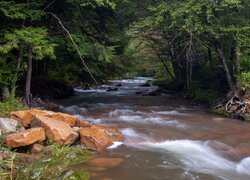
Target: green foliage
244,80
197,94
14,10
10,105
7,166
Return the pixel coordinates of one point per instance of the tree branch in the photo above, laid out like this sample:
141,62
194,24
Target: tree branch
77,48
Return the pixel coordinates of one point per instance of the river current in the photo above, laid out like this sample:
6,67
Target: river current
165,136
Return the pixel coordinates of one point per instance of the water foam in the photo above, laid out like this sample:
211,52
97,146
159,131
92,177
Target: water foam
199,157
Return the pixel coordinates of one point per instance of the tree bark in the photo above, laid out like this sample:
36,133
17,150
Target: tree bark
29,75
225,66
13,86
236,58
6,93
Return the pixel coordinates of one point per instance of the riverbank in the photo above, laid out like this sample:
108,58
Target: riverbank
36,142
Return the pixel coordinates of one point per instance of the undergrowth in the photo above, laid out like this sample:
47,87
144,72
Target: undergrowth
11,104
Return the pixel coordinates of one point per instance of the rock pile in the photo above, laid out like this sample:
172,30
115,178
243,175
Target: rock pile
29,127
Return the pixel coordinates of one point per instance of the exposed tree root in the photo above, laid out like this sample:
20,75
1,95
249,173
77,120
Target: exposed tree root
236,104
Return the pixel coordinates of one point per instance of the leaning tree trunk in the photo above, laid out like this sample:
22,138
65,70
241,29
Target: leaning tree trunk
225,67
28,77
13,86
6,93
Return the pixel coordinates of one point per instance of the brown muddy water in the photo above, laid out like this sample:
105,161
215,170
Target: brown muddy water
165,137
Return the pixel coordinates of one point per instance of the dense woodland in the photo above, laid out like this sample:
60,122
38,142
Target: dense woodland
201,48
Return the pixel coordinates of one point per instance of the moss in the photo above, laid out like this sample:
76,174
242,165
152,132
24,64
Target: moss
221,111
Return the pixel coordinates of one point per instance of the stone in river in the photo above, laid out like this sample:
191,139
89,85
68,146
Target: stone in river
94,138
105,162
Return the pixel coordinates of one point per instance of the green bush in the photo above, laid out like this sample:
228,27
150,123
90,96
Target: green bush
9,105
244,80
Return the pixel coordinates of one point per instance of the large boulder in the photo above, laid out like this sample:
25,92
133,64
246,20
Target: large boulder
8,125
25,138
26,116
57,131
82,123
94,138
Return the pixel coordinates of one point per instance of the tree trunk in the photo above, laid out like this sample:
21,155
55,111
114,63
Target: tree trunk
225,67
236,58
6,93
13,86
28,77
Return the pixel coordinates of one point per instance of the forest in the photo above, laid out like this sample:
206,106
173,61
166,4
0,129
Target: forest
197,52
201,48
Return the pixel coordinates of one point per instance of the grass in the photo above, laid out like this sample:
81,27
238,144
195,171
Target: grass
54,165
57,164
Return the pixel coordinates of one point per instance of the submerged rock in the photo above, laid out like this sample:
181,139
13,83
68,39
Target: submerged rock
25,138
94,138
8,125
105,162
56,131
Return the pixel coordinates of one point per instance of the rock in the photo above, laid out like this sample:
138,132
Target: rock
22,117
111,89
71,120
118,85
94,138
48,150
76,129
26,116
113,133
82,123
25,138
37,148
56,131
8,125
105,162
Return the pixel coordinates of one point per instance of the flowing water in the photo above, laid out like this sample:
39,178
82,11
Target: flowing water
165,137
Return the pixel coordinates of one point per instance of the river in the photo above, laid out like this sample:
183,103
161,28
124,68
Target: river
165,136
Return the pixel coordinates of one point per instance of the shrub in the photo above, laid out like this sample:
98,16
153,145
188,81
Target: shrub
9,105
244,80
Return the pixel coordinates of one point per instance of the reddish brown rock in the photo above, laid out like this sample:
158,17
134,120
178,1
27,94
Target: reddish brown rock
56,131
70,120
25,138
82,123
113,133
22,117
94,138
25,117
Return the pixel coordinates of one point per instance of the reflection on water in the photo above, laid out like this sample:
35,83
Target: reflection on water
165,137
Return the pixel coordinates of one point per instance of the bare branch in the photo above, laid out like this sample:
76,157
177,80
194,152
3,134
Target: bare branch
77,48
